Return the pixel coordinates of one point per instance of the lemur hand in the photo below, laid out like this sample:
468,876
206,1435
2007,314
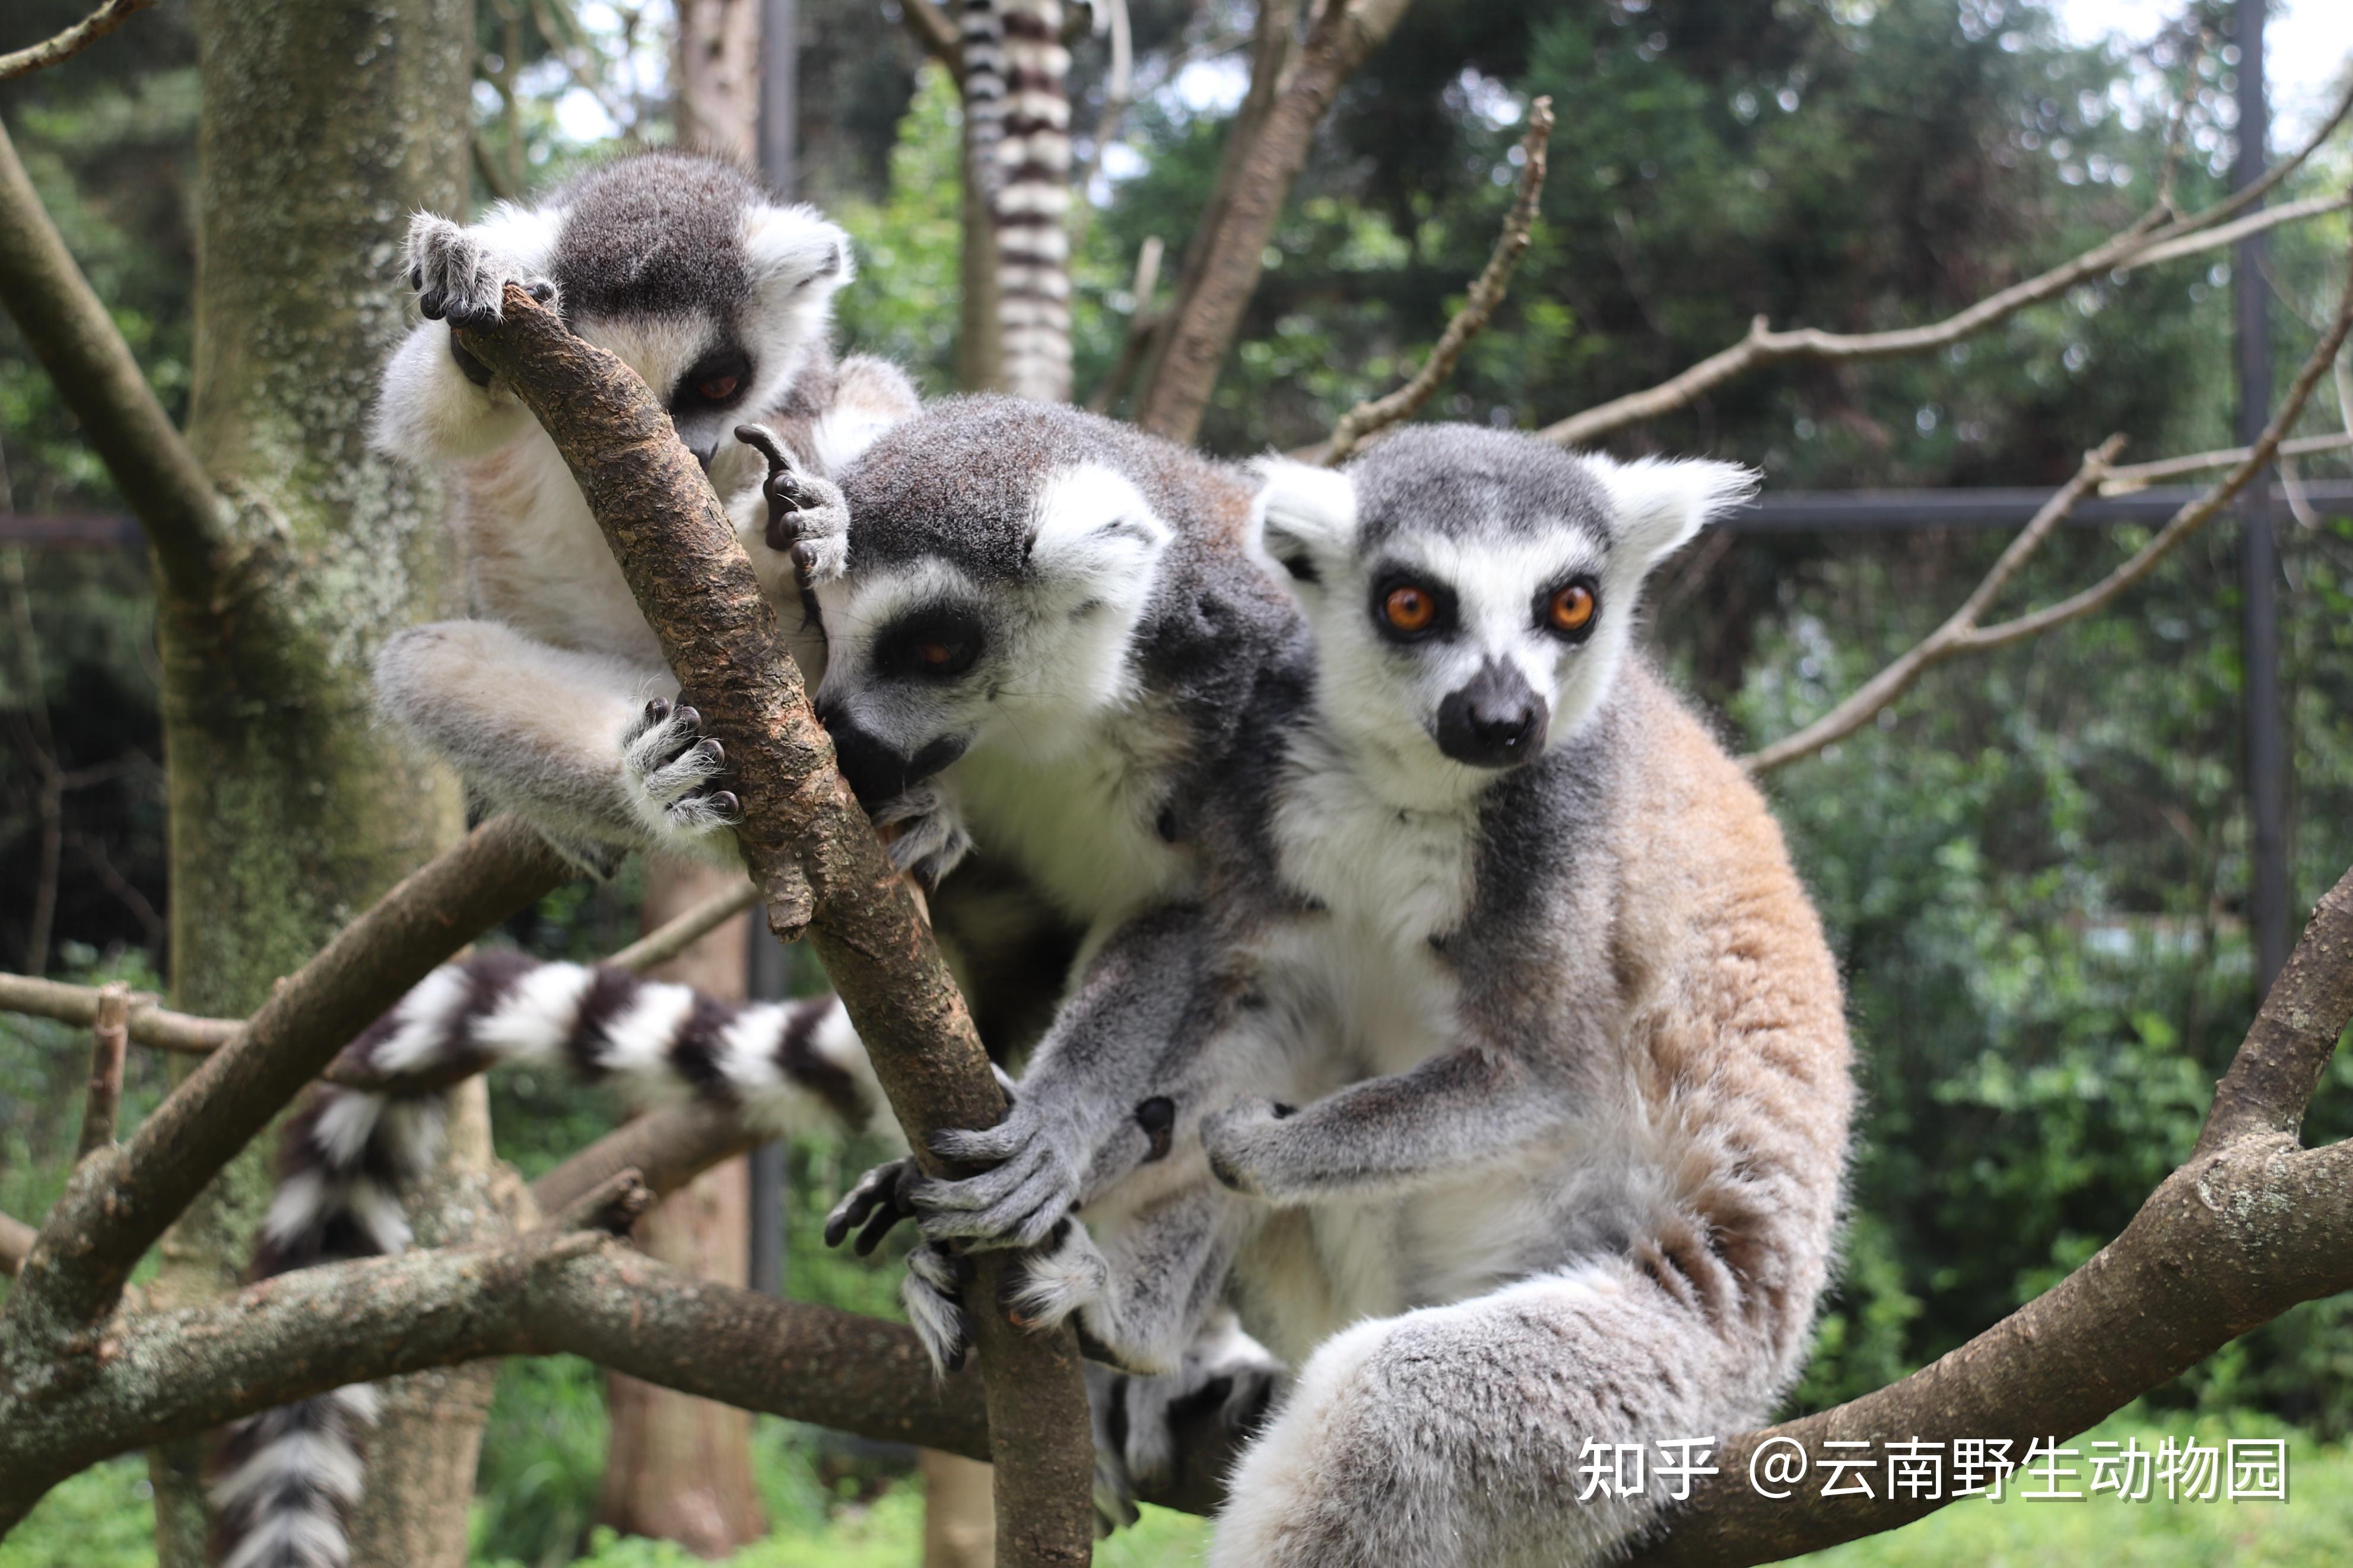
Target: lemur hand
1244,1143
460,280
881,1198
931,840
671,766
1039,1161
807,518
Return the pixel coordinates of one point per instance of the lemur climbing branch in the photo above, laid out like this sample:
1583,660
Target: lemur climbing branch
811,851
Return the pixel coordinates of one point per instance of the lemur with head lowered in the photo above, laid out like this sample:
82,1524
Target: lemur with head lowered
1566,1046
719,299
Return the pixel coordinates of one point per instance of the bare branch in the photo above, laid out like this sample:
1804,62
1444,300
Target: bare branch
1143,323
2277,1070
110,1033
1947,640
1370,417
156,1028
668,1149
75,341
811,851
120,1200
2129,477
936,34
16,1241
675,936
2154,238
65,46
2231,233
1265,158
1963,633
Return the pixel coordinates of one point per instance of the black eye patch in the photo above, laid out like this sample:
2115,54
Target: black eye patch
936,643
719,380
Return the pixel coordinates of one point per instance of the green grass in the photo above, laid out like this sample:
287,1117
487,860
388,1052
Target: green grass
100,1519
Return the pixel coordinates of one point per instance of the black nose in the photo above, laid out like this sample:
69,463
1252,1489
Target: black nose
878,770
1495,722
703,454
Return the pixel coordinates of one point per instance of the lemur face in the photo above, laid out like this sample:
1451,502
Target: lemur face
713,294
1471,592
976,616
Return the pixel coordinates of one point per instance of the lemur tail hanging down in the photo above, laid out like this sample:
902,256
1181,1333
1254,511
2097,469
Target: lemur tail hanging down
283,1479
1017,76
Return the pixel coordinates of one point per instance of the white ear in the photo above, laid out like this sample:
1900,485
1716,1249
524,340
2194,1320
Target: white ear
1302,517
1091,524
1662,502
792,250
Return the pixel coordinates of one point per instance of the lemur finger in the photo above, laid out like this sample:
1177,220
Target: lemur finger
979,1145
883,1187
990,1187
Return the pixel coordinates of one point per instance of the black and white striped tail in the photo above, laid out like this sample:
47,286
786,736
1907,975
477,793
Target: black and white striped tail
1031,197
282,1481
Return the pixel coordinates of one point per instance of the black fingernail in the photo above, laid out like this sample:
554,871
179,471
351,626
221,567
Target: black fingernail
542,292
712,750
805,557
657,710
430,304
724,803
416,277
690,718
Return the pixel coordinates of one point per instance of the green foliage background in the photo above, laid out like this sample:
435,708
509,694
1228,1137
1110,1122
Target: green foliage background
2033,869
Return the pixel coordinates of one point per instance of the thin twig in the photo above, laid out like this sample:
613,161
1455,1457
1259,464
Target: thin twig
675,936
1370,418
2155,235
1947,640
151,1025
1142,322
16,1240
1962,633
109,1035
2231,233
65,46
2131,476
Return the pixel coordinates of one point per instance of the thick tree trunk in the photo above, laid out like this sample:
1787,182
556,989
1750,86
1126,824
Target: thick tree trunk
960,1512
292,810
679,1468
718,82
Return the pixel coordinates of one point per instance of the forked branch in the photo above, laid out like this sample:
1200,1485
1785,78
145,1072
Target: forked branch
65,46
1963,633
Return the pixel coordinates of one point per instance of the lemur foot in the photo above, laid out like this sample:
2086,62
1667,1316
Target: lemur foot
932,839
1042,1289
1135,1419
460,278
878,1203
1031,1187
670,766
807,518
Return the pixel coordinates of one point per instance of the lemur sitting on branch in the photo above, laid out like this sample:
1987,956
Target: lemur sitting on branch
1565,1047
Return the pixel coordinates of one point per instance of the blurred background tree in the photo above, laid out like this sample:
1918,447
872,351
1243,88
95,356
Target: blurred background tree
2033,871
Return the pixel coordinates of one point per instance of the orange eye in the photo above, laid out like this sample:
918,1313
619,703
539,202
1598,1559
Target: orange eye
1409,608
938,655
718,389
1571,609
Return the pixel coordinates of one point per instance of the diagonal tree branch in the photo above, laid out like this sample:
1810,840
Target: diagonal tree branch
1963,633
76,340
1208,310
812,853
1369,419
65,46
118,1201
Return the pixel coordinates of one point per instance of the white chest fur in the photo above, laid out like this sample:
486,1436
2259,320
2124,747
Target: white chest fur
1403,872
1083,825
535,559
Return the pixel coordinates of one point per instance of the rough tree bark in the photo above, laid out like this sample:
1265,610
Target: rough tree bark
818,865
718,84
322,127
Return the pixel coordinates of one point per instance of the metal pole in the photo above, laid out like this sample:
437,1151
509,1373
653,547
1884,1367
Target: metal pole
780,54
768,974
2267,741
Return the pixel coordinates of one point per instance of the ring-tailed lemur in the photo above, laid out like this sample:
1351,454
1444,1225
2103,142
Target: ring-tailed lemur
1042,618
1015,90
1567,1048
719,299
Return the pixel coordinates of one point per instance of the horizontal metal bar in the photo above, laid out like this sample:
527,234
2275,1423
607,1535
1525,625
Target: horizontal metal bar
1780,512
1839,512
